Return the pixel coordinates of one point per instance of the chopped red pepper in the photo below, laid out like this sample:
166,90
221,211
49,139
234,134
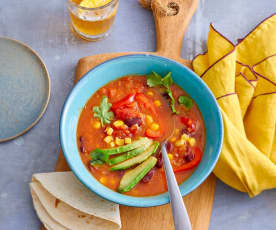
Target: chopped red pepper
191,164
126,113
153,134
184,120
190,124
125,101
146,102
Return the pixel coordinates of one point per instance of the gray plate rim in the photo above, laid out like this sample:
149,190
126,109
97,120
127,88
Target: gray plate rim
44,108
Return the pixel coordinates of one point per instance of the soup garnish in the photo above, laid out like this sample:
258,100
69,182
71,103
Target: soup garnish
122,125
155,79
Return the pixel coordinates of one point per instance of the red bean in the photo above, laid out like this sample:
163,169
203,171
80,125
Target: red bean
148,176
169,147
82,149
185,131
121,172
189,156
166,95
81,138
159,162
191,130
133,121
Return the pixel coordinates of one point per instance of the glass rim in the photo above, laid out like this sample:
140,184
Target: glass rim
91,9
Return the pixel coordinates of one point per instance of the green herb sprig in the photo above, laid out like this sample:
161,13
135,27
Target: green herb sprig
102,112
186,101
154,79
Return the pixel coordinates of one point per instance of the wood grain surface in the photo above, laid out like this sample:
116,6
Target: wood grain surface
171,22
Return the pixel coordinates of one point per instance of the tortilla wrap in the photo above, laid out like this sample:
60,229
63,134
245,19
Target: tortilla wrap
63,203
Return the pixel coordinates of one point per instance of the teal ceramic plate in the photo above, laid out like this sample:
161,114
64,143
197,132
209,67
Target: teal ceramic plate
24,88
141,64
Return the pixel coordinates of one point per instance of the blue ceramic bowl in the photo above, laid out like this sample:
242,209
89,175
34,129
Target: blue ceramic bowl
140,64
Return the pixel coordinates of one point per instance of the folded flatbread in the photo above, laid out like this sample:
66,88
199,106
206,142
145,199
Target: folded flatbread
63,203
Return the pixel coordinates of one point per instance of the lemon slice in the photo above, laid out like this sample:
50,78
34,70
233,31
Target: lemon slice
93,3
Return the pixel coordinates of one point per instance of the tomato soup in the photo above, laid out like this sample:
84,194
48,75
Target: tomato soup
123,124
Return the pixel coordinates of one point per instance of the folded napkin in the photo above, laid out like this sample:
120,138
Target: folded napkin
243,79
63,203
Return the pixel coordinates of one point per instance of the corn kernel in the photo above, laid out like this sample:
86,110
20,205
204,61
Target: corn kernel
118,123
184,137
179,143
109,131
150,93
97,124
119,141
112,144
108,139
149,119
192,141
113,181
170,156
103,180
127,140
154,126
173,139
157,103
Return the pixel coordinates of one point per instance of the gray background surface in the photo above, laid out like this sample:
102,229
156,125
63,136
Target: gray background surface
44,26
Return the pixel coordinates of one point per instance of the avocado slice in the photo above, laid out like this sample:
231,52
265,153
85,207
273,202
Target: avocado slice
121,149
138,159
130,154
133,176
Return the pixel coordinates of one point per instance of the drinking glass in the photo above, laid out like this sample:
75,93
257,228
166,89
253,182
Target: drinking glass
92,24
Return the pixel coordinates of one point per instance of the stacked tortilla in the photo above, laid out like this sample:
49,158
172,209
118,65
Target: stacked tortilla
63,203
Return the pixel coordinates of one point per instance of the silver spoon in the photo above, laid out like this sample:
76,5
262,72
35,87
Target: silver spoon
180,215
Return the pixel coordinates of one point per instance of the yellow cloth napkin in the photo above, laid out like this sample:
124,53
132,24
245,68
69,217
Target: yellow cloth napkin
243,79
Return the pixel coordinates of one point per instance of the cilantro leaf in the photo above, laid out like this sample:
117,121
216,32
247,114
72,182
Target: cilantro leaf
186,101
172,103
167,81
102,112
154,79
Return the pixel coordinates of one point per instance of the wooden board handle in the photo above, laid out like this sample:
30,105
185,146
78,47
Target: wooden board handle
171,20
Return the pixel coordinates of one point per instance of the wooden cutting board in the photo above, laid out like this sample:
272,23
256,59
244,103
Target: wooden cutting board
171,20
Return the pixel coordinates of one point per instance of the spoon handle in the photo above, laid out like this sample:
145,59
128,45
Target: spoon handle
180,215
